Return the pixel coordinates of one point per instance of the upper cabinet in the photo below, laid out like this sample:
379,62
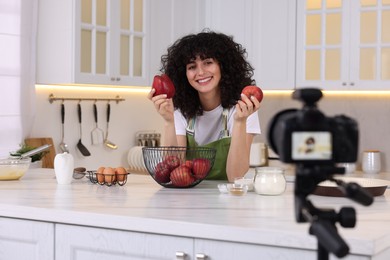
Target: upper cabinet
93,42
266,29
343,45
170,20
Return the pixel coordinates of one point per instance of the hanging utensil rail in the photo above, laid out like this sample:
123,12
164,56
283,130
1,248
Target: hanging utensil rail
53,98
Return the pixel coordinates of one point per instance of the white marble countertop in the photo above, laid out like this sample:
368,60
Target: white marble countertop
201,212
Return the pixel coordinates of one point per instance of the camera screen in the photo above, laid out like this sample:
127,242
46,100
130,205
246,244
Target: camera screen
311,146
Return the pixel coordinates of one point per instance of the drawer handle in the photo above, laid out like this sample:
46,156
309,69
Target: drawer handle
180,255
200,256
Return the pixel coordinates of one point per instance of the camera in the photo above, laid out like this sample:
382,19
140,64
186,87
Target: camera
308,137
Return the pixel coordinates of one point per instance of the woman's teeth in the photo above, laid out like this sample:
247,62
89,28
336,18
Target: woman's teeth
204,80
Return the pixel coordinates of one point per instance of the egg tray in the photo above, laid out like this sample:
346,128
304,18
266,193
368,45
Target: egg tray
106,179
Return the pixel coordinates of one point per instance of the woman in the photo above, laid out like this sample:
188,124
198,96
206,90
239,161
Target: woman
209,71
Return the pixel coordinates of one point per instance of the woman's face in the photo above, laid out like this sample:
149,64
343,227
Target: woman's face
204,75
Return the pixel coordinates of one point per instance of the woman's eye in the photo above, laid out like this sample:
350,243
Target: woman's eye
190,67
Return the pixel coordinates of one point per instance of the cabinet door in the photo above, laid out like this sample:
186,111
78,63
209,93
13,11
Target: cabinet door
322,44
221,250
75,242
343,45
266,29
22,239
370,44
169,21
93,33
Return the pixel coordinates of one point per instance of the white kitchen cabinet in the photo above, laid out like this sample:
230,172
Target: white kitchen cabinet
93,42
75,242
170,20
343,45
266,29
24,239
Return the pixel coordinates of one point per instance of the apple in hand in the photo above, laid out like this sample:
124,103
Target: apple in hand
163,85
200,168
162,173
181,176
253,91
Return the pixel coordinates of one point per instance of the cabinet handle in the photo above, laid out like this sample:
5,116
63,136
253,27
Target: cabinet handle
352,84
118,79
344,84
200,256
180,255
112,79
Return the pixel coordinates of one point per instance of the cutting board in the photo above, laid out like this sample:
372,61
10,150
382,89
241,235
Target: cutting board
48,159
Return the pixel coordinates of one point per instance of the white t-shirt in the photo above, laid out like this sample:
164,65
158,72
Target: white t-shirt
209,125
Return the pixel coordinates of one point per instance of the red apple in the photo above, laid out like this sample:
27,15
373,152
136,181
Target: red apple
163,85
253,91
200,168
182,177
162,173
188,163
172,161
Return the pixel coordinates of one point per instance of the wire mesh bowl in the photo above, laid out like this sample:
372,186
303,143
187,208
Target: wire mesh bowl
178,167
107,179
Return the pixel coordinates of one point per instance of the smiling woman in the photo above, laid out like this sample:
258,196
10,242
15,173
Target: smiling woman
17,51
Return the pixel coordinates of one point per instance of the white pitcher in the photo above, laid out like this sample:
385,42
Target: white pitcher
63,168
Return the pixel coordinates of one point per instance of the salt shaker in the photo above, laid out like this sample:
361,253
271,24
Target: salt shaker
269,181
63,168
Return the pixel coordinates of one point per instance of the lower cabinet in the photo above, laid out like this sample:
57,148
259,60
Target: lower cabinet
76,243
26,240
83,243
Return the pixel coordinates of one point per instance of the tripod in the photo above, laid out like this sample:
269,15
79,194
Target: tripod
323,221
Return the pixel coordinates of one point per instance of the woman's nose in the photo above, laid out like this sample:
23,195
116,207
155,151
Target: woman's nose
200,70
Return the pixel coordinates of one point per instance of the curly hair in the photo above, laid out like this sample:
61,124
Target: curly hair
236,72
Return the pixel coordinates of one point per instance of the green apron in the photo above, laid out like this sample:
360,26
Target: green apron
218,172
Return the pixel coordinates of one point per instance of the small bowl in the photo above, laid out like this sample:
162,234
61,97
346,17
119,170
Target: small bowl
13,168
245,180
237,189
178,167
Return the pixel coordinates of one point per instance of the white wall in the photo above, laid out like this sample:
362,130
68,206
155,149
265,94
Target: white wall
17,72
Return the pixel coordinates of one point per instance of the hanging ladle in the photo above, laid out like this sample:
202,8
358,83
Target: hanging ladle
63,145
106,141
84,151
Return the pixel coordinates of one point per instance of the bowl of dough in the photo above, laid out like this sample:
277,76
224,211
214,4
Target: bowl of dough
178,167
13,168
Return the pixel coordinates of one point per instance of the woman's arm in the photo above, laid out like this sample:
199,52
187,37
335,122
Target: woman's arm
164,106
238,157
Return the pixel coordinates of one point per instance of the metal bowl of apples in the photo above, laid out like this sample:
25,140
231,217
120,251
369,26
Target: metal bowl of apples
178,167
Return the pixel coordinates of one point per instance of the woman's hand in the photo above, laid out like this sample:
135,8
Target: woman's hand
245,107
163,105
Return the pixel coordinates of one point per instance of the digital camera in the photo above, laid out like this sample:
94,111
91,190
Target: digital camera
308,137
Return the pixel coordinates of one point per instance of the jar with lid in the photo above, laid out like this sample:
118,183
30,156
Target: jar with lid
269,181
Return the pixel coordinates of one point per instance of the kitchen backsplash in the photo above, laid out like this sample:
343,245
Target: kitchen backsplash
137,114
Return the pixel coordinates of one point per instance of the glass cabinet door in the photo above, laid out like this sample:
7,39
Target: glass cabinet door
94,39
322,49
343,45
370,57
131,38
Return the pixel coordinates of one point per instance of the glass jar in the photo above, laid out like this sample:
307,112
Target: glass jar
269,181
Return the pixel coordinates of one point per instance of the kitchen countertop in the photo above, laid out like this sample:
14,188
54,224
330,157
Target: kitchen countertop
200,212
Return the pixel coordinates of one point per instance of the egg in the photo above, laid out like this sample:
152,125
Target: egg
109,175
99,174
120,173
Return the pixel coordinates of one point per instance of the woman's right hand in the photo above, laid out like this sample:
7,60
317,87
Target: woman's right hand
163,105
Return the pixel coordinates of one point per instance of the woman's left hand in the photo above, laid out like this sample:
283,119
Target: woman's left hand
245,107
